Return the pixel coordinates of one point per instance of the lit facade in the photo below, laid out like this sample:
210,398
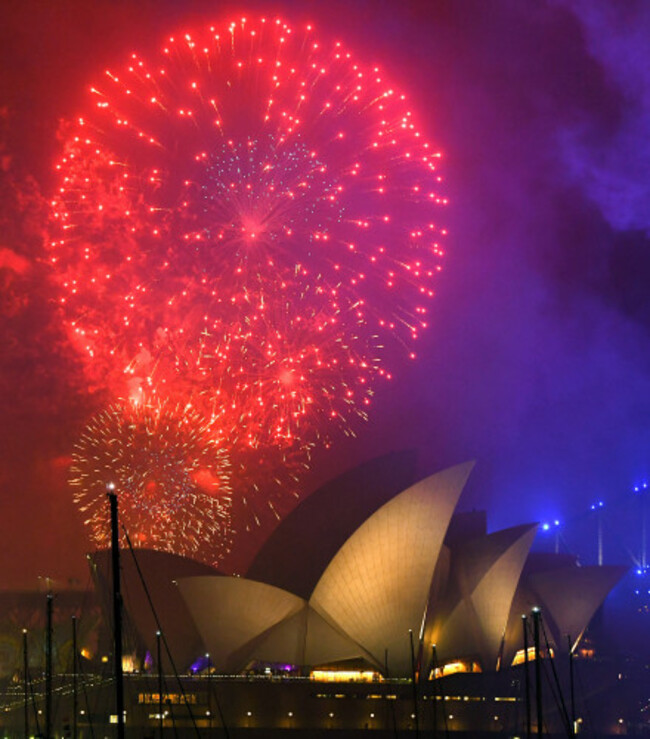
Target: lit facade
331,647
408,576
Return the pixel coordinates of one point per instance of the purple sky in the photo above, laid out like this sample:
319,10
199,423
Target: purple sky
536,363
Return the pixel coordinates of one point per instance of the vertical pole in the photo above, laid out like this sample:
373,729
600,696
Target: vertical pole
26,682
538,670
434,667
442,692
572,687
524,621
48,669
392,703
644,532
160,683
75,710
117,614
600,537
415,687
207,655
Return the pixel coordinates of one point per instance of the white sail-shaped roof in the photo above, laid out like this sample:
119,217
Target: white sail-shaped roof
568,598
402,571
376,587
304,639
231,611
482,585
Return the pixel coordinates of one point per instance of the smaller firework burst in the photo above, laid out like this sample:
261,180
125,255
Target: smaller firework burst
171,475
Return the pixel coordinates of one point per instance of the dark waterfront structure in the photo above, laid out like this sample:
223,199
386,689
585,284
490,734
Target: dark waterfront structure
259,706
402,617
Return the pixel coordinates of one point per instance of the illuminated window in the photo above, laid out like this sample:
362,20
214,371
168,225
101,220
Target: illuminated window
129,663
173,698
345,676
519,657
451,668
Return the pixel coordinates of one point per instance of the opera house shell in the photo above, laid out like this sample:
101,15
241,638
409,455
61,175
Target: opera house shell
369,574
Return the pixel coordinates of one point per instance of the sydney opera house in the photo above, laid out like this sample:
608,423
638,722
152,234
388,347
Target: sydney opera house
374,605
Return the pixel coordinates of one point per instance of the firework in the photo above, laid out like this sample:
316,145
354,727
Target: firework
253,215
171,475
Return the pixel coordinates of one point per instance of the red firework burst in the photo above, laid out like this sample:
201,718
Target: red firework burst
247,166
248,221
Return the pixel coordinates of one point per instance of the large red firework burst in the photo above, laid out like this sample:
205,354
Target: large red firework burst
248,221
171,475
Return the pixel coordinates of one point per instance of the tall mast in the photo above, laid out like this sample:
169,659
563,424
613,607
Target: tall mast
415,686
26,682
48,669
117,612
161,702
74,678
524,621
538,671
572,686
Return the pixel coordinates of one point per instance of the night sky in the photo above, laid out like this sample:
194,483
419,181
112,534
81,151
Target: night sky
536,361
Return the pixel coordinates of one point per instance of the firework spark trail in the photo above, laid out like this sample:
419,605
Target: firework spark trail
172,477
248,222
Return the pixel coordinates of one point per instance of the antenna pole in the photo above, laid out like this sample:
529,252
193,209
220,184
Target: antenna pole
600,537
